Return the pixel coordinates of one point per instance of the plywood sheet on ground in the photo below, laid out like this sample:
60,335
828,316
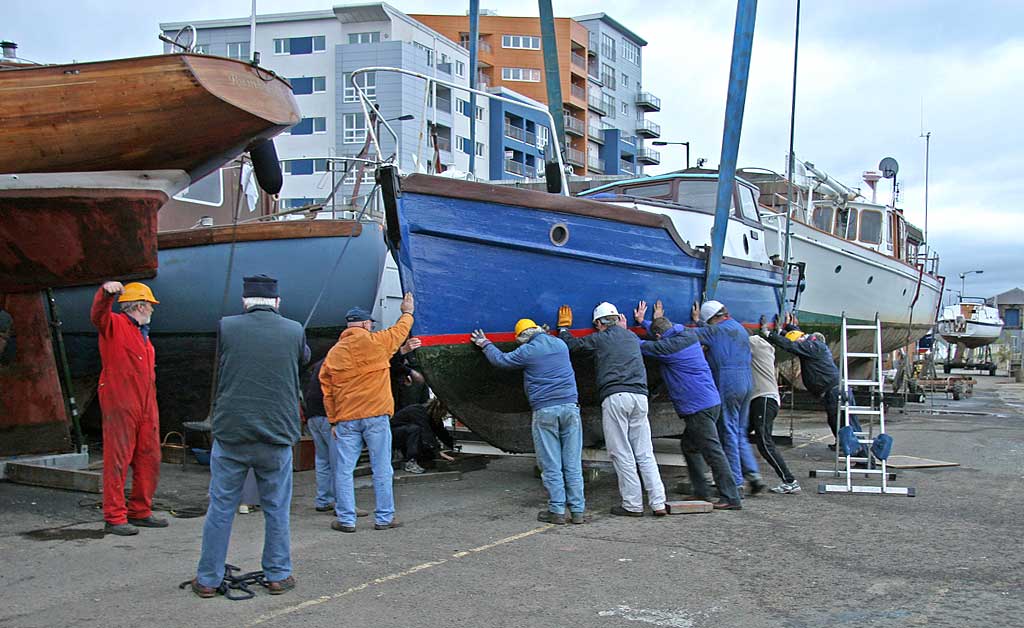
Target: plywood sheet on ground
913,462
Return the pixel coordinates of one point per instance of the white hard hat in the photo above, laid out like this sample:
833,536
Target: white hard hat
709,309
605,309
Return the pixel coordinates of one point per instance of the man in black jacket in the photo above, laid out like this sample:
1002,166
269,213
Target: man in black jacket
415,430
255,424
622,387
817,368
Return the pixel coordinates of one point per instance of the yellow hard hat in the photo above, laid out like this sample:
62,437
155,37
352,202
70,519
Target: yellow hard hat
136,291
524,324
794,335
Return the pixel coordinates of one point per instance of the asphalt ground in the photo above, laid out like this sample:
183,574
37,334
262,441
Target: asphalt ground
471,553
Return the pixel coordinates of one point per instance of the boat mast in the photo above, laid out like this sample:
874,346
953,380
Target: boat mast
742,43
253,55
790,166
474,36
554,86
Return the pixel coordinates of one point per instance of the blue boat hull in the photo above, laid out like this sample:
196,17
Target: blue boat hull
479,256
190,285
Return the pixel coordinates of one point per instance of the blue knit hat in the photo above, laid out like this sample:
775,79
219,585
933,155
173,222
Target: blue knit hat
259,286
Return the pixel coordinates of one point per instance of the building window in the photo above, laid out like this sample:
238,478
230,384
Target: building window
542,137
625,108
364,38
630,51
308,85
201,49
463,144
608,47
239,50
309,126
460,68
350,176
355,128
300,45
463,108
625,81
609,105
520,74
608,76
367,81
522,42
304,166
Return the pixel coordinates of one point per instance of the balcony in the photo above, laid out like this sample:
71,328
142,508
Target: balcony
445,67
520,135
595,133
574,126
626,167
595,163
648,156
482,80
596,103
628,139
578,92
524,170
574,157
646,128
444,104
648,102
445,144
578,60
481,45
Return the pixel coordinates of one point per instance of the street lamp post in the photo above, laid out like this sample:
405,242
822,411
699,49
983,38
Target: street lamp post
962,275
686,144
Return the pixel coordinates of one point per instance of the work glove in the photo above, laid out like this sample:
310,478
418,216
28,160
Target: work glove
478,338
564,317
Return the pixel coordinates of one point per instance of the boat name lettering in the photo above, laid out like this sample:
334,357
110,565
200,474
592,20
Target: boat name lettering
243,81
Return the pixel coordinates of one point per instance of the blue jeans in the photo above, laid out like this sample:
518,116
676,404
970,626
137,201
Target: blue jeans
320,430
349,437
229,465
558,441
734,388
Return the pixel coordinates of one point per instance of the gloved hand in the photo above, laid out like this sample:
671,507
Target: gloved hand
478,338
564,317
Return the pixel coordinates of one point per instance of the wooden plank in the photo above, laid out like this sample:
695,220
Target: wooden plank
913,462
688,507
55,477
250,232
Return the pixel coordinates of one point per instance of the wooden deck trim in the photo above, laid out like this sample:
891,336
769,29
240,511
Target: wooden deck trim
256,231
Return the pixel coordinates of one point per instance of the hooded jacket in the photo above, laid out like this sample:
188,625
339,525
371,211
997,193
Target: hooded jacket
684,369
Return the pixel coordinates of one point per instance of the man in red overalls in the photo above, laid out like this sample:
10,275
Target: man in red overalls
127,392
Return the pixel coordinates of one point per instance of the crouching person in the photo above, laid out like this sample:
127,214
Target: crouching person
550,385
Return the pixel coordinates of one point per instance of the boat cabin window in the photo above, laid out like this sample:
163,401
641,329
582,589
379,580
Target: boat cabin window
701,195
206,191
822,218
748,204
871,226
651,190
846,224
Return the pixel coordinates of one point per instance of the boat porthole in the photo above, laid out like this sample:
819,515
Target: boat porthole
746,245
904,292
559,234
870,279
839,268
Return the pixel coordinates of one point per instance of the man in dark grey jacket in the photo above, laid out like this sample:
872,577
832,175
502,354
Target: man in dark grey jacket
622,387
255,424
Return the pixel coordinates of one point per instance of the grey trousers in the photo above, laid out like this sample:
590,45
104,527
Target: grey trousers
627,435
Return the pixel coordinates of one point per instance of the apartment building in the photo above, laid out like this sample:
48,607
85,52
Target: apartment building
600,76
318,51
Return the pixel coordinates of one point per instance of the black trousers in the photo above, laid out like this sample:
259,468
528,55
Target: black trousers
414,442
700,444
763,411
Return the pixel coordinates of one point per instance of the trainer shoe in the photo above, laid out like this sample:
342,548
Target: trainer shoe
148,522
546,516
243,509
413,467
120,529
619,511
277,587
787,488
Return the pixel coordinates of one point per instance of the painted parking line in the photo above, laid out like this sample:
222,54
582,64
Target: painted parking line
393,576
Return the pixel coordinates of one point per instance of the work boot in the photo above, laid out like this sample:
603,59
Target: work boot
726,505
546,516
148,522
327,508
277,587
660,512
619,511
757,485
362,513
387,526
201,591
120,529
578,518
340,527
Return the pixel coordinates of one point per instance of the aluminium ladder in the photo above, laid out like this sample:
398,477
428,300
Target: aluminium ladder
875,408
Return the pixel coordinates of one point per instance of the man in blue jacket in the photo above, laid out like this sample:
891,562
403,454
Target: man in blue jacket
693,393
550,385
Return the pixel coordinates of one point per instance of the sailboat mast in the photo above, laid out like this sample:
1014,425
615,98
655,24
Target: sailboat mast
790,166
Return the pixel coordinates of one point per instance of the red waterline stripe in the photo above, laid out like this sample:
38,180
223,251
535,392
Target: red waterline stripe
508,336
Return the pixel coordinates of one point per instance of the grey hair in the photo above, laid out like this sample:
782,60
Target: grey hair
660,325
528,333
820,337
609,321
251,302
129,306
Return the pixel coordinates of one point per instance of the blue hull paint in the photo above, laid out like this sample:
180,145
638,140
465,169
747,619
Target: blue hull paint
478,264
190,286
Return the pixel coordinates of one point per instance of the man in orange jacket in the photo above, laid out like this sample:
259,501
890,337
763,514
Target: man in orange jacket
127,392
355,378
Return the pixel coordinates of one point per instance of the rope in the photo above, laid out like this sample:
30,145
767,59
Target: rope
237,582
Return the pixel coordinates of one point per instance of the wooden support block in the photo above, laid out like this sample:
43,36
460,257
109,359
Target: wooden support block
430,476
55,477
688,507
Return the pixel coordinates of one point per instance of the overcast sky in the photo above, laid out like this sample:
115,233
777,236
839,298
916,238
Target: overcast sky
868,69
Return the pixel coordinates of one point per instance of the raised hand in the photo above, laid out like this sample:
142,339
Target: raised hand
640,312
564,316
479,338
659,310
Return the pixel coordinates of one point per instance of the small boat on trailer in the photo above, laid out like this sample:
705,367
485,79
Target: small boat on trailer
969,327
91,151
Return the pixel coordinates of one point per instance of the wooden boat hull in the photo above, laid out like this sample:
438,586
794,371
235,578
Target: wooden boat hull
194,290
89,152
481,256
